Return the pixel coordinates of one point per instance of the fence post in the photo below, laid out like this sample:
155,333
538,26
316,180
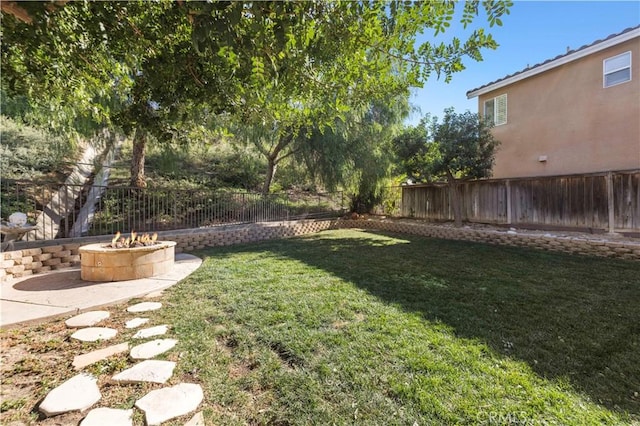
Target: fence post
610,203
508,196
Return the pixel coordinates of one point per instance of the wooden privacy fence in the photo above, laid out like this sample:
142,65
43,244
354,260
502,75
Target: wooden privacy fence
608,201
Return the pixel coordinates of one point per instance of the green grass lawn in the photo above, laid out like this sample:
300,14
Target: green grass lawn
351,327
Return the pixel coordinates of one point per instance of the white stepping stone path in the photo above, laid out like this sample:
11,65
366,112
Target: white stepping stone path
81,392
151,331
87,319
152,370
93,334
81,361
76,394
164,404
136,322
104,416
144,307
152,348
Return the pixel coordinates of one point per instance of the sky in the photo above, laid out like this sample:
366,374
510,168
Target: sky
533,32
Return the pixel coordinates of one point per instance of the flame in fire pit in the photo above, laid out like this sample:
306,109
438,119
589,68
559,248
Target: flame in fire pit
133,241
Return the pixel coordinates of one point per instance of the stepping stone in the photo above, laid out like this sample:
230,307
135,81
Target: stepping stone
196,420
89,358
144,307
76,394
93,334
87,319
154,294
136,322
152,331
151,349
164,404
108,416
152,370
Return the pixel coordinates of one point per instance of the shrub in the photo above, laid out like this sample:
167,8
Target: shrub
29,153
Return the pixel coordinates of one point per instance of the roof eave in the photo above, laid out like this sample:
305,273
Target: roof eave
556,63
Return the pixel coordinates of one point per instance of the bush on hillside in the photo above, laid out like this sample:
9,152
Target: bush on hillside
30,153
220,166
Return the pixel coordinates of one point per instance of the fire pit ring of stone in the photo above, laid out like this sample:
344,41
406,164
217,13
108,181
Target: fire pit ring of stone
100,263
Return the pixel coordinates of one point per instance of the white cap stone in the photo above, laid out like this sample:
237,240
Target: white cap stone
93,334
151,331
152,348
144,307
87,319
104,416
76,394
164,404
196,420
136,322
151,370
81,361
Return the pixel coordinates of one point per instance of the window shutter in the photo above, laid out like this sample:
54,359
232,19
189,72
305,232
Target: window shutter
501,110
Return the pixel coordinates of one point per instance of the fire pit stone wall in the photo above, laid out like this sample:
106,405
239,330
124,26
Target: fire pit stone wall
100,263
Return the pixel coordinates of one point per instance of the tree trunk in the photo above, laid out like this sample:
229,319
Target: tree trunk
454,193
137,160
271,172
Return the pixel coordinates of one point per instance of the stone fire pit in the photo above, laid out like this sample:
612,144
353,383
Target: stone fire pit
101,263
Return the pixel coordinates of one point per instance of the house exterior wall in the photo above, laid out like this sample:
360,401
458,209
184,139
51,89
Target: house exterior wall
568,116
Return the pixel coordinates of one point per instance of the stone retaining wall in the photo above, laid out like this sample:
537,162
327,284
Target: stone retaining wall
583,245
20,263
27,259
199,238
34,257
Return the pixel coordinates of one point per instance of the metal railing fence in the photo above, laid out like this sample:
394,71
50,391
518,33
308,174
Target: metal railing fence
127,209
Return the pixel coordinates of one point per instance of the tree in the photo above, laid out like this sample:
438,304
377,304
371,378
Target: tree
356,154
460,147
331,69
302,63
160,62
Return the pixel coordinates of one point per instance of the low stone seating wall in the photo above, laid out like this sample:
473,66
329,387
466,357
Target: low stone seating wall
40,256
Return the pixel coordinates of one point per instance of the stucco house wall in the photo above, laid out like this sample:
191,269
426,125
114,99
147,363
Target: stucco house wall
562,120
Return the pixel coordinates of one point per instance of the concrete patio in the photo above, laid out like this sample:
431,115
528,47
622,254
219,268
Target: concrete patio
36,298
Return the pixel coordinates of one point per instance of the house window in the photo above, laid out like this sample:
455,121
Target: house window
495,110
617,69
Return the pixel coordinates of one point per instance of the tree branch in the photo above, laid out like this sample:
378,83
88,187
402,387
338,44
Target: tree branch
11,8
424,63
282,144
289,154
193,74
